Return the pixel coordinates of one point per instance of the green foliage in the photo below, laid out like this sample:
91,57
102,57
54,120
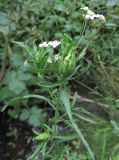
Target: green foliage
16,81
14,113
33,116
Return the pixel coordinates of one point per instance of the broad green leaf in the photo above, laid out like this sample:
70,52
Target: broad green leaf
4,20
60,7
4,93
17,60
23,76
35,110
16,86
24,114
14,113
4,29
11,75
34,120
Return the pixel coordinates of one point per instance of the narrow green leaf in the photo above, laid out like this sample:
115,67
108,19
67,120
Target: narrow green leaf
37,150
65,100
26,97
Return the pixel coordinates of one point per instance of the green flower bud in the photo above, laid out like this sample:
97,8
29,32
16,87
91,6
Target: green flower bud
43,137
67,64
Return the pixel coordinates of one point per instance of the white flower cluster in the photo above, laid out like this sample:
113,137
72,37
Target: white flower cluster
56,58
43,45
91,15
53,44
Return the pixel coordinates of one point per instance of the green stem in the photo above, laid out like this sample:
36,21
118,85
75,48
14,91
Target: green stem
103,147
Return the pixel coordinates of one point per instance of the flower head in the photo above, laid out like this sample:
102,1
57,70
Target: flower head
43,45
56,58
101,17
91,15
53,44
85,8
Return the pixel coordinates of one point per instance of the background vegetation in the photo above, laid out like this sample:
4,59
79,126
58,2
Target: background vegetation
96,82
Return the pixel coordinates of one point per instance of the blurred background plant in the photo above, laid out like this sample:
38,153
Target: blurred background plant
36,21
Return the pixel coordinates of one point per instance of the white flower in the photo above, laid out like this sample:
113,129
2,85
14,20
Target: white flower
56,57
91,15
85,8
53,44
101,17
43,45
49,60
26,63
